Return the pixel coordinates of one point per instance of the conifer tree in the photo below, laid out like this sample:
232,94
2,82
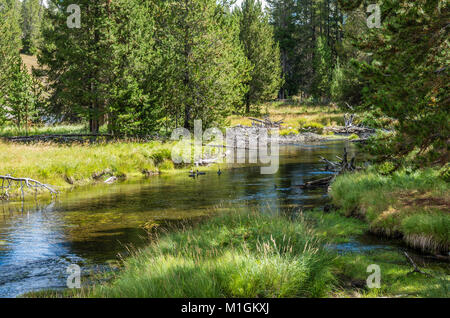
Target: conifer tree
32,13
76,60
20,100
257,38
204,59
10,45
408,77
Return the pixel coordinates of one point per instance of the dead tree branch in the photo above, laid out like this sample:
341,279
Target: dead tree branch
414,265
9,182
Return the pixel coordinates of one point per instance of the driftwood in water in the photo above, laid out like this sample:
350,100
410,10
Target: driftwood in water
351,130
323,182
344,165
9,182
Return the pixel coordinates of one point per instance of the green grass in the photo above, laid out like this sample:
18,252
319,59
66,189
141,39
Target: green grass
13,131
230,255
334,227
350,268
239,254
397,279
75,164
411,205
292,113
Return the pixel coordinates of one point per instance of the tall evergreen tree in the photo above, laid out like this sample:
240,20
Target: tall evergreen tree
257,38
10,45
204,60
323,64
408,76
76,60
298,26
134,85
20,99
32,13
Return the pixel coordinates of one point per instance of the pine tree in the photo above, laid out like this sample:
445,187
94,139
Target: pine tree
20,100
408,77
9,40
323,64
77,60
204,61
134,100
299,24
9,48
257,38
283,18
32,13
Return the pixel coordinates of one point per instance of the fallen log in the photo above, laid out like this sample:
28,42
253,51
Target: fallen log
414,265
350,130
323,182
8,182
336,167
59,138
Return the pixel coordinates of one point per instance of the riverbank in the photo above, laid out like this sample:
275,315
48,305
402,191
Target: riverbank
413,206
66,166
242,254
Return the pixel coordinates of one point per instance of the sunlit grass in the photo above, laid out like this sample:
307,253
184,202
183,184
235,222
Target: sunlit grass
230,255
412,205
63,165
13,131
292,113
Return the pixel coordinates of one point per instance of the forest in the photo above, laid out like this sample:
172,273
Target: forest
91,91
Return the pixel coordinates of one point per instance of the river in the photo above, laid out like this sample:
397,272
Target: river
90,226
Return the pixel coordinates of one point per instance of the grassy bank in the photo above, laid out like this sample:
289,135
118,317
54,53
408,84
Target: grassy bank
252,255
410,205
230,255
349,267
78,164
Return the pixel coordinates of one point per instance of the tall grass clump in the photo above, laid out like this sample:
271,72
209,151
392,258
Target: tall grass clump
230,255
412,205
65,165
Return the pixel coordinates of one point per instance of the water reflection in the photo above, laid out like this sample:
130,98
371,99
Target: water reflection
91,225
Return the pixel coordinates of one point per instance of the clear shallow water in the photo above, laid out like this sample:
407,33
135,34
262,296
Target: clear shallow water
91,225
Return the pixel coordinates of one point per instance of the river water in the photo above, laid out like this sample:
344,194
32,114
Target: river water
90,226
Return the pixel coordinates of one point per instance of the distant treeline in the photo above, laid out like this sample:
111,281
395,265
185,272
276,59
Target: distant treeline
141,66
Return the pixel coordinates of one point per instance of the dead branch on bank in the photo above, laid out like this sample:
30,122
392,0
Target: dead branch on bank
9,182
344,165
414,265
266,123
58,138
